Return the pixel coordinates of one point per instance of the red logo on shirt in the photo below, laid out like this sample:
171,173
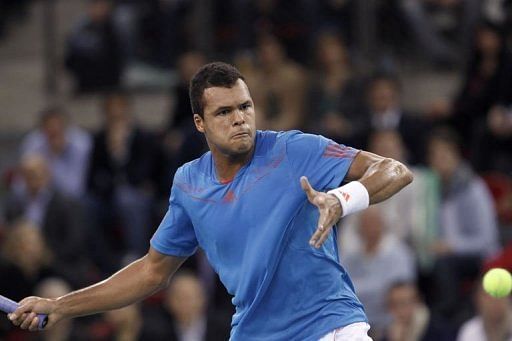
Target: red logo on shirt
229,197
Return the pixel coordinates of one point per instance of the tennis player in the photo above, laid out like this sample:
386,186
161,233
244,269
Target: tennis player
262,205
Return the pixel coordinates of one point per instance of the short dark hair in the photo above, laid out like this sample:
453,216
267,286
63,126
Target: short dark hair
447,135
216,74
383,76
52,111
115,94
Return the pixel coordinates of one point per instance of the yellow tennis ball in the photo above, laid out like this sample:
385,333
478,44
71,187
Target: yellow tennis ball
497,282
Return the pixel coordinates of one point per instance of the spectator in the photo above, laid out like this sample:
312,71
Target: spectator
441,27
291,22
25,260
412,215
126,323
494,141
59,218
385,112
54,287
334,100
93,53
65,147
279,87
485,81
493,321
120,180
337,14
181,114
180,126
184,315
468,220
376,261
411,319
165,29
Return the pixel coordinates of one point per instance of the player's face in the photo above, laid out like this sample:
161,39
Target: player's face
229,120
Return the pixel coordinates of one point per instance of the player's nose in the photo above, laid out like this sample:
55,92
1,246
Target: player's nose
238,117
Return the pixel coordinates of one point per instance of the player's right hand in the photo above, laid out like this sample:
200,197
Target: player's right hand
25,316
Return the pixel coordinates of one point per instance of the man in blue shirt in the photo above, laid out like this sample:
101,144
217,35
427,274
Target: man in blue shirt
250,204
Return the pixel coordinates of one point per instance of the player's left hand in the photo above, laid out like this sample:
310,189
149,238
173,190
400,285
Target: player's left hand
330,212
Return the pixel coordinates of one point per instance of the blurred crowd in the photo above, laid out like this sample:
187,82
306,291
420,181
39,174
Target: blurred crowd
79,204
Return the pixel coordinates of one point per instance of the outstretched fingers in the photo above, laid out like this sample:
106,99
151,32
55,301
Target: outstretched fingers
325,222
306,187
327,207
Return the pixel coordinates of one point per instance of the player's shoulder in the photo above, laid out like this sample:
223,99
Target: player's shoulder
300,139
193,170
271,142
278,137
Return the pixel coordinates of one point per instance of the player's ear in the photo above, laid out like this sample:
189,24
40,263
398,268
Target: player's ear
199,122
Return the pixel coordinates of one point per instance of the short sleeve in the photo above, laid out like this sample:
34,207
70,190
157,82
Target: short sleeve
324,162
175,236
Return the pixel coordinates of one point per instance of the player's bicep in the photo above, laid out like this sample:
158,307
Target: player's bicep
360,165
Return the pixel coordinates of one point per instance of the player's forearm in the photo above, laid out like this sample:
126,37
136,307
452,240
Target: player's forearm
385,178
131,284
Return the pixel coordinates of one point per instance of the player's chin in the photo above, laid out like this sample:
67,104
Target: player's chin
243,147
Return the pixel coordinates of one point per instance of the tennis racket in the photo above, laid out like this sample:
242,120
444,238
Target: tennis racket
9,306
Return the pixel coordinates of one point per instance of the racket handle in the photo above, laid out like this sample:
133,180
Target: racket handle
8,306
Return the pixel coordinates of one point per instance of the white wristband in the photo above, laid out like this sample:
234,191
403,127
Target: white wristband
353,197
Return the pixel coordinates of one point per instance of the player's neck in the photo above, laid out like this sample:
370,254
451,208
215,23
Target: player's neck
227,167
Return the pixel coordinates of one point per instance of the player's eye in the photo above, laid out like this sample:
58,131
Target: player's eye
245,106
223,112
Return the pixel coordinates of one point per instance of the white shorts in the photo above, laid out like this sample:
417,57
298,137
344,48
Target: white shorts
353,332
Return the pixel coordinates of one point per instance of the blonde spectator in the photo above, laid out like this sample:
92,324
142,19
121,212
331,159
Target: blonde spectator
25,260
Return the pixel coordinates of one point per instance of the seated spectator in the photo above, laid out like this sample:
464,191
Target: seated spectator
385,112
65,147
440,28
493,321
291,22
494,141
412,214
184,314
59,217
25,260
411,319
467,218
338,15
93,53
375,262
334,95
54,287
278,87
486,83
126,323
180,127
120,182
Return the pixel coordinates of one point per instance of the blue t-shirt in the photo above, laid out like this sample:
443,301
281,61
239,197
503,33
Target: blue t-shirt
255,232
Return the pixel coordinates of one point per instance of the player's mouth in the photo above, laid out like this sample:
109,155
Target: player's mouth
240,135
